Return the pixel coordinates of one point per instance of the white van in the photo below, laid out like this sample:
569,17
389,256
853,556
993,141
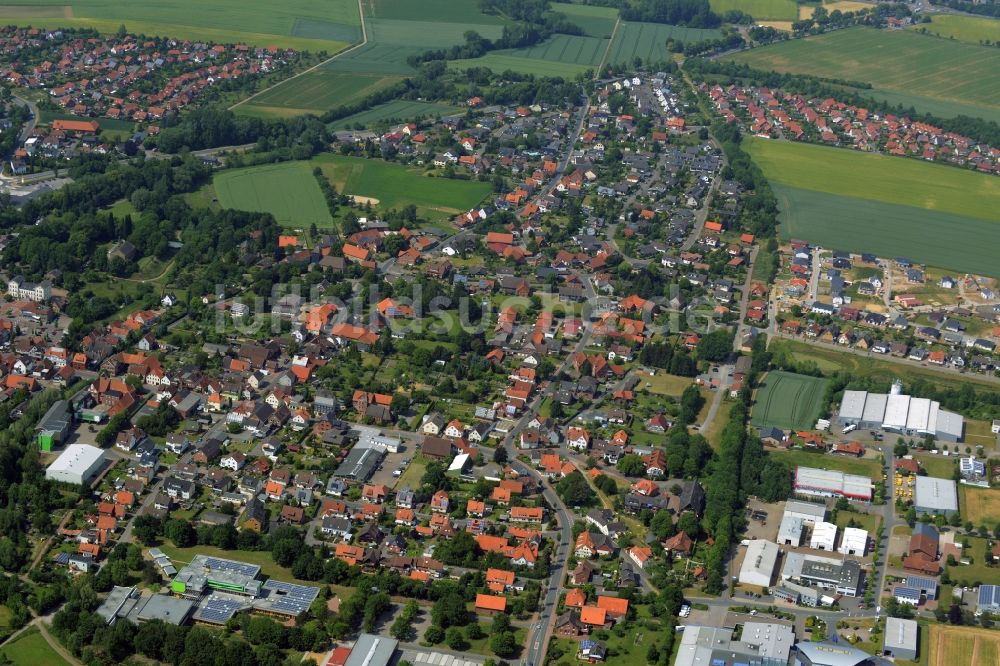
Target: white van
850,428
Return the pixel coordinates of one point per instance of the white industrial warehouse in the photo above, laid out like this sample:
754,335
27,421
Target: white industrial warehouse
898,412
759,563
831,483
76,465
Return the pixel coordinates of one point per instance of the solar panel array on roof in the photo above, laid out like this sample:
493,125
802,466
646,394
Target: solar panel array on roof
286,598
218,564
907,594
216,609
926,585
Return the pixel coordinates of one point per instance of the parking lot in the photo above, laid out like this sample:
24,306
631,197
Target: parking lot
763,519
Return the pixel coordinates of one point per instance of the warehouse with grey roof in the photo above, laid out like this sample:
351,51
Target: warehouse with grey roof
898,412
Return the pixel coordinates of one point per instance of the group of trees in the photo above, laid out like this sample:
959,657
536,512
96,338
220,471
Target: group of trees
674,360
27,498
691,13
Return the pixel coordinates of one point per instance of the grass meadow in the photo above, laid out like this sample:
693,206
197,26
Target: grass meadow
288,191
399,110
30,649
308,25
969,29
770,10
395,185
950,645
819,460
830,360
595,21
789,401
900,61
980,505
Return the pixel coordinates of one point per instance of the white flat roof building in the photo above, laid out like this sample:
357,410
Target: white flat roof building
935,496
824,536
831,483
790,530
759,563
901,413
901,638
854,541
76,465
810,512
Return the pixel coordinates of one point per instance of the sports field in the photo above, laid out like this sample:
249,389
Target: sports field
399,110
395,185
774,10
311,25
288,191
648,41
789,401
595,21
980,505
899,61
962,646
315,92
969,29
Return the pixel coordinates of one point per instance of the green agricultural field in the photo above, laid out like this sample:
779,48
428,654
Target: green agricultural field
882,178
392,41
399,110
766,10
789,401
970,29
306,25
453,11
395,185
595,21
560,55
648,41
937,107
30,649
889,230
899,61
315,92
849,200
830,360
288,191
500,62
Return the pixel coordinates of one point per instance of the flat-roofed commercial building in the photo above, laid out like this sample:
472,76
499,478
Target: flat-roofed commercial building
759,563
824,536
935,496
76,465
901,638
760,644
898,412
372,650
831,483
853,542
827,573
